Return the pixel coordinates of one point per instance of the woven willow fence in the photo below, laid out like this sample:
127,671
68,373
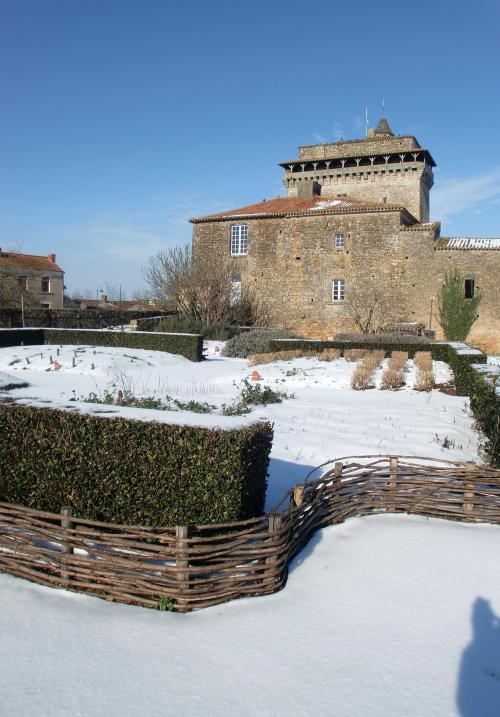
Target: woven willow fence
191,567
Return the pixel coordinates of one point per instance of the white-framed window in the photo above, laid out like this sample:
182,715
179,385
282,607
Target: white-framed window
44,306
338,289
339,241
239,239
45,284
235,295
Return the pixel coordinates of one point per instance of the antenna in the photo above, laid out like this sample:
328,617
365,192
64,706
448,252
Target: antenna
383,106
366,121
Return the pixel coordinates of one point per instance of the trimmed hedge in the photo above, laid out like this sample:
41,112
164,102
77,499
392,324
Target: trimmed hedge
485,403
16,337
188,345
128,471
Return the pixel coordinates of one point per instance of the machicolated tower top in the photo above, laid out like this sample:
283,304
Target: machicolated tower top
381,167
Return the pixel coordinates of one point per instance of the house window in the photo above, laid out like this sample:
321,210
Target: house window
239,239
235,294
45,284
44,306
469,288
23,282
338,289
339,241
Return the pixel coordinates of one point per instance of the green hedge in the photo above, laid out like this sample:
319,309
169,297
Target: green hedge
130,471
16,337
188,345
485,403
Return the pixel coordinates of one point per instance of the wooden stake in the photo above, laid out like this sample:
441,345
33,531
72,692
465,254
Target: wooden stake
469,495
182,562
66,549
393,471
298,495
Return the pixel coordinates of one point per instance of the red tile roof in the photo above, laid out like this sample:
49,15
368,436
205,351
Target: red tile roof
293,206
13,260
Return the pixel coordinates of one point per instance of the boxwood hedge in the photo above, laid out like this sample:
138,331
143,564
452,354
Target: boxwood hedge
485,402
131,471
16,337
188,345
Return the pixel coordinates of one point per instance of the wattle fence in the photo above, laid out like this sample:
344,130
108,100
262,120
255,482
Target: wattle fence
184,568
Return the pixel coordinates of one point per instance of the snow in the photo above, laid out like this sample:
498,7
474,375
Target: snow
8,382
462,348
375,618
473,243
384,615
490,372
324,420
330,203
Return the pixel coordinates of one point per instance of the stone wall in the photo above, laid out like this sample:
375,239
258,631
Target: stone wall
406,184
375,145
291,263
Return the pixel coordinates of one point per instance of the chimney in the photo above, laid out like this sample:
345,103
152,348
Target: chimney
104,298
308,188
52,258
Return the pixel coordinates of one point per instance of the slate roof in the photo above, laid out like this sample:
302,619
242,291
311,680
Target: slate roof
383,127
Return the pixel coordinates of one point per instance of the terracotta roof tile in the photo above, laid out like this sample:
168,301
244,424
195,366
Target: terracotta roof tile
293,206
12,260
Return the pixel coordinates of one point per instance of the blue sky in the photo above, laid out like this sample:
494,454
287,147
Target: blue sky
119,119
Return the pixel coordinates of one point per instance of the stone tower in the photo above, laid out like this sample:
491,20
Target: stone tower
381,167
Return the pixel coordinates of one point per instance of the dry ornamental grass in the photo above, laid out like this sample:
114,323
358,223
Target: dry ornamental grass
425,376
362,377
355,354
269,357
394,375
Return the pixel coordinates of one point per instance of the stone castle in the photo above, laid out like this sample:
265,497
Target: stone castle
355,212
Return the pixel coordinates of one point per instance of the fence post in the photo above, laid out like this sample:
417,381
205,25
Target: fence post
337,478
298,495
393,479
182,562
66,549
275,521
469,494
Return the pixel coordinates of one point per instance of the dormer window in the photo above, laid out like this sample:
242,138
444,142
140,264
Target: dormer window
339,241
239,239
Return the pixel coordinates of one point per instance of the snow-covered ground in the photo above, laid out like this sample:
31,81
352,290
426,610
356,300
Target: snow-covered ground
382,616
324,420
386,615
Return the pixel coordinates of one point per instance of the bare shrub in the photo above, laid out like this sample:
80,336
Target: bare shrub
369,306
203,291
